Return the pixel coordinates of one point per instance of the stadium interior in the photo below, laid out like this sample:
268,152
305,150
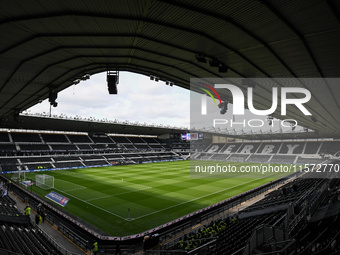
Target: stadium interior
48,46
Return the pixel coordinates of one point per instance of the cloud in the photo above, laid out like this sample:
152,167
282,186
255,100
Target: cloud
139,99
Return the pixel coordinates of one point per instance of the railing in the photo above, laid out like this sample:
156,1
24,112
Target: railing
168,230
55,244
81,242
220,211
324,250
287,249
117,249
298,219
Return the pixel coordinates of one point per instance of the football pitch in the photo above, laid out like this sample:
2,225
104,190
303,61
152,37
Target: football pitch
125,200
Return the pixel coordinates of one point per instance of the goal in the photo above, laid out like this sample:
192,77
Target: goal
44,181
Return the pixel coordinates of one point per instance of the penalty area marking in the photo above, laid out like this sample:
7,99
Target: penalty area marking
80,187
113,195
94,205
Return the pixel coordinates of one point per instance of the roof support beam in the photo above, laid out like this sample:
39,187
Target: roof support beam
22,62
139,19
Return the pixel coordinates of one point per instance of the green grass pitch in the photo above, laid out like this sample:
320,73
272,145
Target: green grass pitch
155,193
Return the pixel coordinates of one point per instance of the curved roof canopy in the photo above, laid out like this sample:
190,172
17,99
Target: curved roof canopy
50,44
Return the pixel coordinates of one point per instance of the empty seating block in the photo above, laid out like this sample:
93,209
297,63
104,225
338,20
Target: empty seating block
26,137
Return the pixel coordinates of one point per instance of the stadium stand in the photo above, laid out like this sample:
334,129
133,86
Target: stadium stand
49,46
63,148
238,157
257,158
283,159
282,215
79,139
309,152
18,235
231,233
54,138
5,148
84,147
102,139
330,148
4,137
33,147
312,147
120,139
25,137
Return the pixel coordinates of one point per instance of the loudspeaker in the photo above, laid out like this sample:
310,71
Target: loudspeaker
112,87
52,96
112,84
112,78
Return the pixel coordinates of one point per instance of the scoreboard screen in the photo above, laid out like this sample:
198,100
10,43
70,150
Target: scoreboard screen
190,136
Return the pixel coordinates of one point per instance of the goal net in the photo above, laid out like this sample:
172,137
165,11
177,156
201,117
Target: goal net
18,176
44,181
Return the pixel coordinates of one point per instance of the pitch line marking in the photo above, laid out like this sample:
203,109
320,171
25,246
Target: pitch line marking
81,187
93,205
193,200
118,194
130,219
113,177
100,208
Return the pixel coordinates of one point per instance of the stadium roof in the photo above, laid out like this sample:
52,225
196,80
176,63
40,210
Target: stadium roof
50,44
57,124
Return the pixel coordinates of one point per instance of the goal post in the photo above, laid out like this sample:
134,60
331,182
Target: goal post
44,181
18,176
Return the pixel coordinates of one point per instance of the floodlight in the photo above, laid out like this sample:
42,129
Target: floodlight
201,58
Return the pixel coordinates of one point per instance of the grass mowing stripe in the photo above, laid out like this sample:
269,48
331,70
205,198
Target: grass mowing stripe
173,194
195,199
114,195
91,204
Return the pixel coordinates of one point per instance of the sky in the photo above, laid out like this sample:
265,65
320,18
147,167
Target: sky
142,100
139,99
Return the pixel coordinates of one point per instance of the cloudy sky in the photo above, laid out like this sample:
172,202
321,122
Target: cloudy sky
139,99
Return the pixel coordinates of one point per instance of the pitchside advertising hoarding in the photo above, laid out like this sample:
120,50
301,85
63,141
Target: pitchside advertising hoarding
57,198
248,106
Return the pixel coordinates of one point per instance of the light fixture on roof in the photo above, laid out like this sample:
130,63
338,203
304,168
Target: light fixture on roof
169,83
75,82
85,77
112,81
200,58
154,78
52,96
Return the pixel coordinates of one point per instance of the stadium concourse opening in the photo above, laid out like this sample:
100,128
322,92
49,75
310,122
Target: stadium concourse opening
100,185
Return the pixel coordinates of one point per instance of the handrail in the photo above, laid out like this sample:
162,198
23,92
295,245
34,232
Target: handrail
56,245
330,242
